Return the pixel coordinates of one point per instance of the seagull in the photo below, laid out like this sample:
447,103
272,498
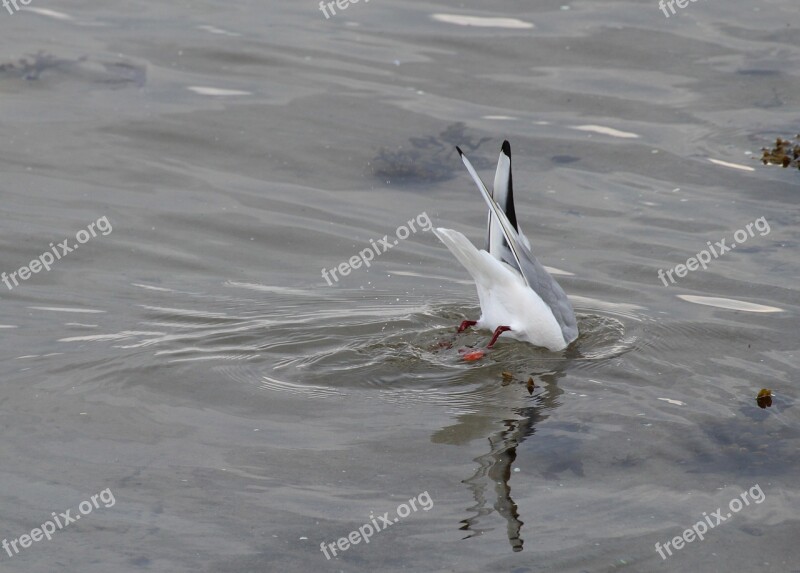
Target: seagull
517,295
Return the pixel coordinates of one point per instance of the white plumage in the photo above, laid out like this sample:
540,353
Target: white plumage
514,289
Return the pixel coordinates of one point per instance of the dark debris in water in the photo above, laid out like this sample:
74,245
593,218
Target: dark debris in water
564,159
508,378
785,153
113,72
429,159
31,68
764,398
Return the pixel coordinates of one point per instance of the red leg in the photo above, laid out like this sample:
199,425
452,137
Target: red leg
466,324
497,332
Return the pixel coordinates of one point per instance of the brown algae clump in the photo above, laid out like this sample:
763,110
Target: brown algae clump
764,398
785,153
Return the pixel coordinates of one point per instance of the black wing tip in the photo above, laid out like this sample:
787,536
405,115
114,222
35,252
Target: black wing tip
460,153
507,148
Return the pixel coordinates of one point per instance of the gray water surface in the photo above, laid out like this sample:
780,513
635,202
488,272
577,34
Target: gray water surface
194,362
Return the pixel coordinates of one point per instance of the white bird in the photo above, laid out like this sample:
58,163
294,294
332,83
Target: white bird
517,295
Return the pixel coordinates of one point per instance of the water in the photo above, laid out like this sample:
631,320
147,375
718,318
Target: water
194,361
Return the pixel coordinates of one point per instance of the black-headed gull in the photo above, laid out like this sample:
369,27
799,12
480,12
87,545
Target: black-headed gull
516,293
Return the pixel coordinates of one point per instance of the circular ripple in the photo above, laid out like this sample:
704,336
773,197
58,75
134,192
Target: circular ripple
331,343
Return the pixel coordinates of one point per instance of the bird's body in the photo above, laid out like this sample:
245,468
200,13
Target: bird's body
517,295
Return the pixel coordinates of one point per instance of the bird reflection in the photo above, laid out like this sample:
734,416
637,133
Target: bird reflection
495,467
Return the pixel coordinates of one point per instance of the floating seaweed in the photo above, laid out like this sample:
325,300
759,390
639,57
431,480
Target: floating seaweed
430,159
114,72
31,69
508,378
785,153
764,398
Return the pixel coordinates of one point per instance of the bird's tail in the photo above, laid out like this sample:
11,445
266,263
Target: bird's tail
479,264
